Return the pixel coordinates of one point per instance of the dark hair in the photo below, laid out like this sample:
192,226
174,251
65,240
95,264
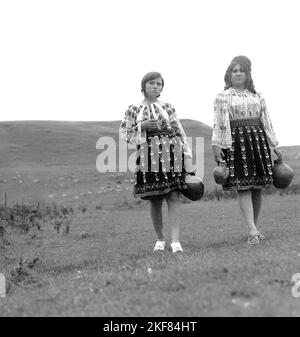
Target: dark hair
149,77
245,65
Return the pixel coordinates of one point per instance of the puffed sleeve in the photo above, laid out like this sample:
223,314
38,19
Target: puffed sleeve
221,135
267,124
177,129
130,129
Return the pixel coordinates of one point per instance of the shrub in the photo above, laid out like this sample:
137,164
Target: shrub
22,216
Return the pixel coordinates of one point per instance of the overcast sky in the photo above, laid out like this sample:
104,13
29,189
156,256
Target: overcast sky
84,59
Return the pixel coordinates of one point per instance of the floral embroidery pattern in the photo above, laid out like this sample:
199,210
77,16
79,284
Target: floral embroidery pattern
167,120
234,105
160,157
248,159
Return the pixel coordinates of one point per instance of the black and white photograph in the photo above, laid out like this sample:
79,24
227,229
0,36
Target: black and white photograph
149,161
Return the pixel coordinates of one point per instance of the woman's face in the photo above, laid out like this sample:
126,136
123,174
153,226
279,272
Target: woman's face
154,88
238,77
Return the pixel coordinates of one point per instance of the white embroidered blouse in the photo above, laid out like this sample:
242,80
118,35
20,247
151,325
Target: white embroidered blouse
164,113
233,104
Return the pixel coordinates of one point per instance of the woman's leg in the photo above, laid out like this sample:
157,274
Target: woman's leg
246,206
172,199
257,202
156,215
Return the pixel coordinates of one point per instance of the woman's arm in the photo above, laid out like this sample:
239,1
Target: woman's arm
267,124
177,129
268,127
130,130
221,135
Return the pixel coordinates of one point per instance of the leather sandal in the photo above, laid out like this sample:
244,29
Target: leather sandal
260,236
253,239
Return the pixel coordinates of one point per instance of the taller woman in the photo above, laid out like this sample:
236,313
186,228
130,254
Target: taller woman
242,136
163,156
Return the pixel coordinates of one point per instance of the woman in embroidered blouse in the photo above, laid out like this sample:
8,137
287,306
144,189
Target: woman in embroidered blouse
163,155
242,136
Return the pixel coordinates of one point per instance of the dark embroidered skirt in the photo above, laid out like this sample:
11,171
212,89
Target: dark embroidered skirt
249,159
159,165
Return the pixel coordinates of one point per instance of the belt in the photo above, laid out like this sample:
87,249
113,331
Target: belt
245,122
158,132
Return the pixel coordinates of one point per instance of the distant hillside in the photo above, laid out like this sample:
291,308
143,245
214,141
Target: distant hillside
51,143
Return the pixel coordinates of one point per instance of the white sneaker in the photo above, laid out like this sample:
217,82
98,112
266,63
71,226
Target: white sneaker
176,247
160,245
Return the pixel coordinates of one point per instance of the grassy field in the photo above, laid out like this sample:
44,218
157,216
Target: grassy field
46,161
99,261
105,265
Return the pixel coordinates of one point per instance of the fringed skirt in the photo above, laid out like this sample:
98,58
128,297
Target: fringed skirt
159,165
249,158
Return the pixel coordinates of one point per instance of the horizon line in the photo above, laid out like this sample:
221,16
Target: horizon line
97,121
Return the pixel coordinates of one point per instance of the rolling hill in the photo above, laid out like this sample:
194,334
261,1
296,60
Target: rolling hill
37,143
42,150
